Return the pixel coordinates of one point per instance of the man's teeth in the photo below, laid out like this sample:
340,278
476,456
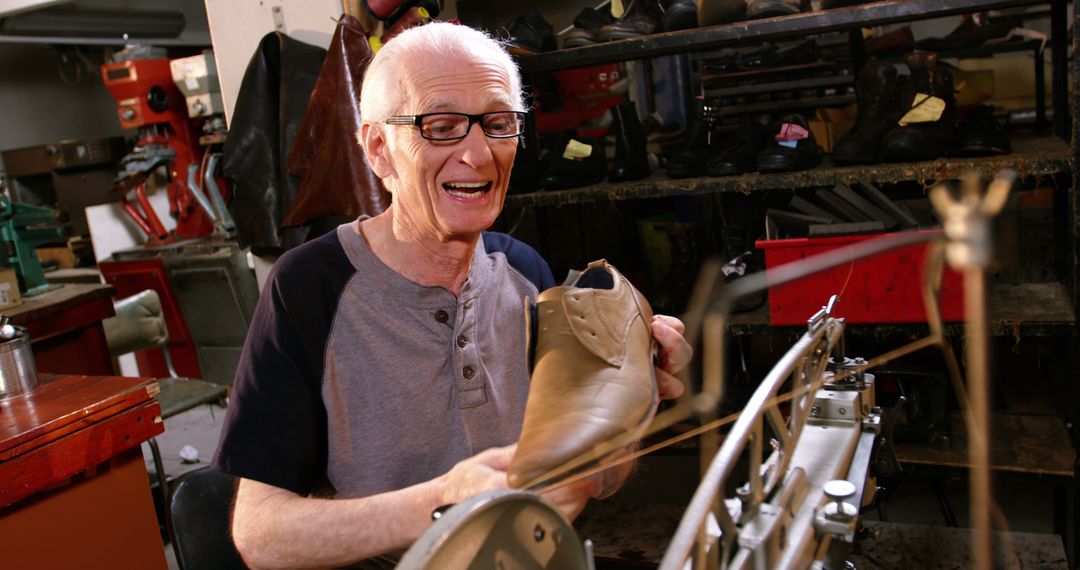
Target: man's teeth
466,189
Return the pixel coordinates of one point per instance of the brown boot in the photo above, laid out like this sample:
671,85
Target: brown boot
593,381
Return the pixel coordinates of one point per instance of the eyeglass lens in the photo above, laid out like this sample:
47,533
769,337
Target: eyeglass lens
442,126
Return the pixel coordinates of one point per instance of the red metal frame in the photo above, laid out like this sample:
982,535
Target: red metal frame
132,276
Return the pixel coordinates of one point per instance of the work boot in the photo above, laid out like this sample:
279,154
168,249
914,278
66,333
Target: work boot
717,12
586,31
631,160
702,143
680,15
593,386
640,18
529,34
931,136
572,170
793,148
978,134
755,133
757,9
877,91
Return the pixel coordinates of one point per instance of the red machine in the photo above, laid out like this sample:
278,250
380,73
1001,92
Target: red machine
199,277
148,99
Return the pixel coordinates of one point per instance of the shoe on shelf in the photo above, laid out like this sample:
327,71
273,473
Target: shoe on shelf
717,12
926,130
755,133
891,44
974,30
703,142
979,134
680,15
640,18
586,30
877,92
593,382
772,56
792,148
758,9
529,34
581,163
631,161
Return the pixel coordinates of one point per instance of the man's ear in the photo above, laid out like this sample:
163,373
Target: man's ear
376,150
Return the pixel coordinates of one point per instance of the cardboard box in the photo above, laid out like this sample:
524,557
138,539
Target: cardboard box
9,289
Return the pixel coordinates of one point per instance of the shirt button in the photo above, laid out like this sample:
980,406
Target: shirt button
442,316
468,372
462,341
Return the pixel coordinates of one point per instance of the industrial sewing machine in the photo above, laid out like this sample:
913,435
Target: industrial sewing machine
808,472
208,293
809,442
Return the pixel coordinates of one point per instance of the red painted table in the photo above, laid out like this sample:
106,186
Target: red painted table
73,485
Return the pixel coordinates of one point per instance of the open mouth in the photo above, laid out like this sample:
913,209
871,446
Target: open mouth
467,189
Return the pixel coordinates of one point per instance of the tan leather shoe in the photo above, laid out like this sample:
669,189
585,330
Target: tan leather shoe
593,380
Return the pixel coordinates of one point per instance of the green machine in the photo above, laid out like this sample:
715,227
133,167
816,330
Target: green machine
23,227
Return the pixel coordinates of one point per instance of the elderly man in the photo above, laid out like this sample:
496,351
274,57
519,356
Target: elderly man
385,373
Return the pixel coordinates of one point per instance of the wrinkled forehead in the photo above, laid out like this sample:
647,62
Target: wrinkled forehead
440,84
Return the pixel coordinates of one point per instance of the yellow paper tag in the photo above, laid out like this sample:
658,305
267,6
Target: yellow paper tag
577,150
925,109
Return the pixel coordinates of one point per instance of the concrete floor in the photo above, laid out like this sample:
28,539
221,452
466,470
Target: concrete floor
635,524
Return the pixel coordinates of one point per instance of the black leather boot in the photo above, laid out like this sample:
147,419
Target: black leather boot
792,154
755,133
716,12
631,161
702,143
680,15
925,140
586,31
529,34
640,18
978,134
877,91
575,172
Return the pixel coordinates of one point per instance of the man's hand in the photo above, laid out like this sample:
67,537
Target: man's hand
484,471
675,354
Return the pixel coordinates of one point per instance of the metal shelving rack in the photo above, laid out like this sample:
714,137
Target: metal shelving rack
1017,310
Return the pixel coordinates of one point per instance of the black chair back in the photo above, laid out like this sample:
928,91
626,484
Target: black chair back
200,519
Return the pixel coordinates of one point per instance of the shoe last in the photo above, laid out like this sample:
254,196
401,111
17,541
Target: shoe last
593,383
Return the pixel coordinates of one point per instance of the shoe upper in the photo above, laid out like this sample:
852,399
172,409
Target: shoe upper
593,383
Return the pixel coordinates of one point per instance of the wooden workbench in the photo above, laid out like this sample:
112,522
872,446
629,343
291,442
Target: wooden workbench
73,485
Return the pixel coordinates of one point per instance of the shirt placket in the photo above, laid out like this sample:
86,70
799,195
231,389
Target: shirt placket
469,374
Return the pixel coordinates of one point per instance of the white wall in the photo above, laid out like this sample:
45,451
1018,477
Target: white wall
236,26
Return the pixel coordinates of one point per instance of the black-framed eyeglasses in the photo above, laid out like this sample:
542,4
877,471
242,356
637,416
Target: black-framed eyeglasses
456,126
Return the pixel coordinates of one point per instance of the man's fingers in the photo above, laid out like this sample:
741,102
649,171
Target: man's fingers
667,385
672,322
497,457
675,352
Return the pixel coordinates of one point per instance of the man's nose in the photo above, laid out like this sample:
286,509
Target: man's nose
476,147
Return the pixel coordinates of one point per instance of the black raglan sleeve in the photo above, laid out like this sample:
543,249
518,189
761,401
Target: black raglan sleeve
275,426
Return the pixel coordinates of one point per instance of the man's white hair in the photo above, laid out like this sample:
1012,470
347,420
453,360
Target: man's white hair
384,87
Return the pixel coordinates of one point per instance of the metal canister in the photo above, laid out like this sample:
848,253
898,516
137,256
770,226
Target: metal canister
18,374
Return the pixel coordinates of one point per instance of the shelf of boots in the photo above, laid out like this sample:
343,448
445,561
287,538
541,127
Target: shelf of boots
794,26
1014,309
1031,157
